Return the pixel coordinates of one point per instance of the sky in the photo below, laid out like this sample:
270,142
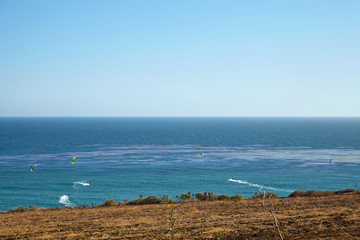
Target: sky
180,58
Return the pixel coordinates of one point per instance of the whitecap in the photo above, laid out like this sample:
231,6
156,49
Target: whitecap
258,186
64,199
82,183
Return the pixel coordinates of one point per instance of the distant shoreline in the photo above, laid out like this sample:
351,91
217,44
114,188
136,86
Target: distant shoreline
187,197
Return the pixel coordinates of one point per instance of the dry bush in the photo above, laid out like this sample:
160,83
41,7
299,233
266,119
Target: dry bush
348,190
222,197
133,202
110,202
265,195
18,209
32,208
200,196
313,193
297,193
309,193
236,197
324,193
151,200
185,196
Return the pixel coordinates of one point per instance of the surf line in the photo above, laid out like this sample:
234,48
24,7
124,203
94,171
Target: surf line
258,186
64,199
83,183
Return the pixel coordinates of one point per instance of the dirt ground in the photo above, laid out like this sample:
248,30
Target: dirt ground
330,217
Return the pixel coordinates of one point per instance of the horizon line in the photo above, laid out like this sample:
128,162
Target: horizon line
179,116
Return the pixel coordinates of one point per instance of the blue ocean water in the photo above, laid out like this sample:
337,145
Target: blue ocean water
122,158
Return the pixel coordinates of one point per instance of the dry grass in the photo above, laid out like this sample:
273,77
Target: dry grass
322,217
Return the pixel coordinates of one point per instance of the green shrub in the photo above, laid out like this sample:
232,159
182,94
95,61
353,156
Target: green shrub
134,202
236,197
200,196
110,202
222,197
185,196
266,195
165,198
151,200
18,209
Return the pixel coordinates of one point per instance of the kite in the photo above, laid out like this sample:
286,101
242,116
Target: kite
73,160
32,167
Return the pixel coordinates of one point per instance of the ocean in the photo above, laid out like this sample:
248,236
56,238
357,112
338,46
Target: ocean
121,158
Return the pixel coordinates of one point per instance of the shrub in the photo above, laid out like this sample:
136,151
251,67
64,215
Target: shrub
165,198
222,197
18,209
185,196
310,193
324,193
297,193
32,208
200,196
134,202
348,190
313,193
151,200
236,197
266,195
110,202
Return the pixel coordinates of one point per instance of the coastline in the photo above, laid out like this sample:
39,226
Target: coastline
335,216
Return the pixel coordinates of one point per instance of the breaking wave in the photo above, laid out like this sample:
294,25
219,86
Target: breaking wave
258,186
64,199
82,183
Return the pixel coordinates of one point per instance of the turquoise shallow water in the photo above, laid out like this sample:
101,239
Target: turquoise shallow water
122,158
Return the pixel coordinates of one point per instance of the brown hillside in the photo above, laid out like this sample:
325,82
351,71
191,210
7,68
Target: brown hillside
322,217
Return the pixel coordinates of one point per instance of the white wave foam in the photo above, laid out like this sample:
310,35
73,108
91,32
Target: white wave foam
82,183
258,186
64,199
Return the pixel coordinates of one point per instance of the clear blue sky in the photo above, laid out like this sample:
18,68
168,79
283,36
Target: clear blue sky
179,58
